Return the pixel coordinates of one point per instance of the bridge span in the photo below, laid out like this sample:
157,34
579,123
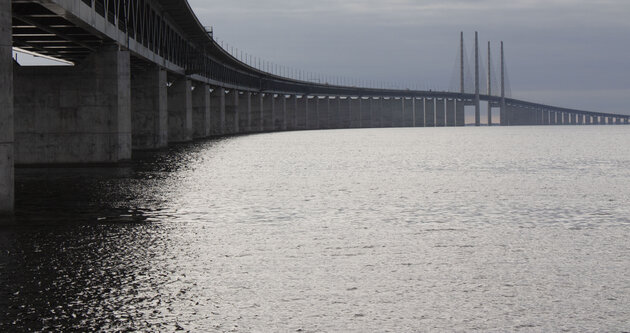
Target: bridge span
147,73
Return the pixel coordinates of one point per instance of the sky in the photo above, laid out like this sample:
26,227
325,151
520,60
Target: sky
570,53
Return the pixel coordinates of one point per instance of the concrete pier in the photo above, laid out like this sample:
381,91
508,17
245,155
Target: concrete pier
407,112
324,112
149,113
313,112
231,112
418,112
280,113
269,110
440,112
217,111
7,186
291,108
450,112
460,113
355,112
257,112
72,114
202,127
429,112
302,112
245,111
180,126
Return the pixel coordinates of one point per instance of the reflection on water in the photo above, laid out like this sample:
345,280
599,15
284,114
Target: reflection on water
486,229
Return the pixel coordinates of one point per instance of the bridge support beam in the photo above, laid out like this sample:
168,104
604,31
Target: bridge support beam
291,109
245,112
354,113
201,111
503,115
7,198
379,112
337,113
280,113
407,112
217,111
302,112
460,113
387,111
269,110
343,107
450,112
231,112
429,112
149,112
313,112
78,114
324,113
418,112
440,112
180,125
257,113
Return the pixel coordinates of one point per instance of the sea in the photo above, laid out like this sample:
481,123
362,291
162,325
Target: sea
492,229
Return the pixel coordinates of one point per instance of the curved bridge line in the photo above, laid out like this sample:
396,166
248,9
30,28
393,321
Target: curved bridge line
147,73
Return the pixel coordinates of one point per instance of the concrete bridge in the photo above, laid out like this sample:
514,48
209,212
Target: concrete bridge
147,73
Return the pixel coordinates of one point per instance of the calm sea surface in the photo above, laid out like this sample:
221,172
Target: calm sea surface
376,230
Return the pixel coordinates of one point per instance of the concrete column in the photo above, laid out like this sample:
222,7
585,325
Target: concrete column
393,111
440,112
353,111
587,119
245,112
217,111
231,112
460,113
180,127
361,107
324,116
269,109
7,198
291,108
340,112
149,113
313,113
257,113
346,112
626,121
545,117
450,113
280,113
407,116
335,113
302,112
386,111
79,114
419,112
610,120
202,126
429,112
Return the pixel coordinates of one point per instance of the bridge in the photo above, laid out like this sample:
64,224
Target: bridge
147,73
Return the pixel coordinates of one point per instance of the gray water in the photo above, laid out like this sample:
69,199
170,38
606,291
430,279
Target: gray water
376,230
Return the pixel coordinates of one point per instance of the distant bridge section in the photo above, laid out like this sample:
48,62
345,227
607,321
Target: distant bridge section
147,73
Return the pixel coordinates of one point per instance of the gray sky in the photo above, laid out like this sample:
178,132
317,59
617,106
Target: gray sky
573,53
